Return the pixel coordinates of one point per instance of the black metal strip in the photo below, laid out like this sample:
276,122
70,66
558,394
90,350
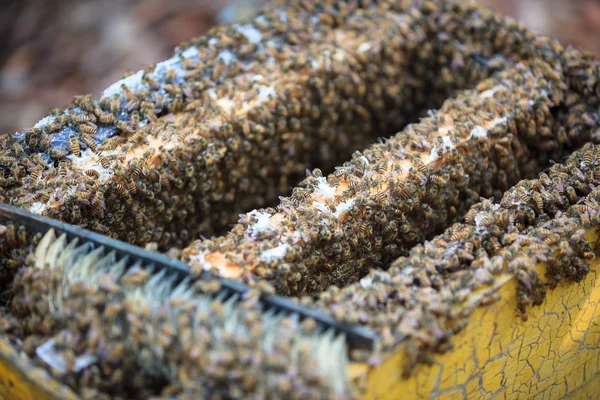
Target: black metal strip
38,223
357,336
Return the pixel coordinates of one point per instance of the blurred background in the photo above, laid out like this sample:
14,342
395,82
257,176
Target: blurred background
51,50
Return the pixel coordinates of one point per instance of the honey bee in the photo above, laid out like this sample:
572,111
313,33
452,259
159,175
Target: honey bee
82,118
170,75
122,189
18,148
115,105
136,168
107,118
52,127
75,148
135,120
150,115
35,174
44,197
539,202
136,137
484,85
572,99
128,93
124,127
92,173
489,299
7,161
135,276
131,187
153,83
105,162
90,142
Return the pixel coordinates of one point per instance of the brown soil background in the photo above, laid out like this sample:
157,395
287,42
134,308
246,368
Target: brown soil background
51,50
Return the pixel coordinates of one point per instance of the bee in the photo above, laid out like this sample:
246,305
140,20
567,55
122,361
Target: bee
35,174
150,115
489,299
539,202
11,234
176,104
132,104
172,89
124,127
90,142
135,276
378,243
551,72
18,149
589,157
487,220
113,310
128,93
131,187
52,127
572,98
470,215
84,194
75,148
22,234
381,197
115,105
44,197
484,85
153,83
107,118
136,168
170,75
7,161
364,228
76,214
92,173
571,195
136,137
217,71
146,105
105,162
246,128
135,120
139,219
344,215
83,118
459,235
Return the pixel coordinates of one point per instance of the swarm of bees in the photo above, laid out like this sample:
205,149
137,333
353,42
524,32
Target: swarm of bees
175,152
232,121
396,194
15,244
234,118
111,330
424,297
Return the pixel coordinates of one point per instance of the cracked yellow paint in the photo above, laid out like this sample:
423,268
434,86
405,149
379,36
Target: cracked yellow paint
555,354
